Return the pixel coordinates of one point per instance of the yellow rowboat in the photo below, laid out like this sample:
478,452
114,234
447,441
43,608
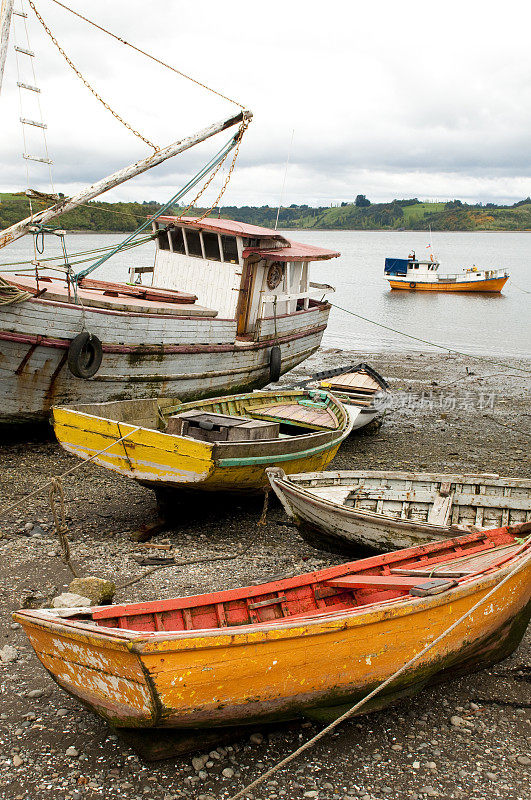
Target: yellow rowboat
224,444
305,646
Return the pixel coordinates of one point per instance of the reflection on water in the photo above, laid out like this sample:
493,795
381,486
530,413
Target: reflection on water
483,324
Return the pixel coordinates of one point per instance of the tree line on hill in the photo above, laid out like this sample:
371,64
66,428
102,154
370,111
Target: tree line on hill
360,214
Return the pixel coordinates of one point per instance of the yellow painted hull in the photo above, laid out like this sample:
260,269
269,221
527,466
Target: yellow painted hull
159,460
492,285
278,670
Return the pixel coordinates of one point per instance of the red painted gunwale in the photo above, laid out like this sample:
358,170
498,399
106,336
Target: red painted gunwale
313,594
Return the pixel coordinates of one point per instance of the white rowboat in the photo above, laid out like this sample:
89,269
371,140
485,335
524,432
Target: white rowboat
346,510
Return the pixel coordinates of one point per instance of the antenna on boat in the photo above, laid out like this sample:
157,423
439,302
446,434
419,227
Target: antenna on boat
285,175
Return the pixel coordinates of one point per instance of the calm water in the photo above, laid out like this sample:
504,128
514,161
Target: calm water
481,324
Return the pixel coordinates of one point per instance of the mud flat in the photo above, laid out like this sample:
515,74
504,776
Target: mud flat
470,738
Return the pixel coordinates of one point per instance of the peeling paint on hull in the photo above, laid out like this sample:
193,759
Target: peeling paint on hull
231,676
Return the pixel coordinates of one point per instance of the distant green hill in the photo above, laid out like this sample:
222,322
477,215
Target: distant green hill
359,215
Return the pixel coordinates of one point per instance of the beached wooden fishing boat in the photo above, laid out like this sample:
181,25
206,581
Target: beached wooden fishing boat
383,510
231,306
362,390
224,444
305,646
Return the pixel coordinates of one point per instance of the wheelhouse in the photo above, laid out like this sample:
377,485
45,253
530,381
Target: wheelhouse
244,272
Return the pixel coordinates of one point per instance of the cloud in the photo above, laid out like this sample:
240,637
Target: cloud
389,100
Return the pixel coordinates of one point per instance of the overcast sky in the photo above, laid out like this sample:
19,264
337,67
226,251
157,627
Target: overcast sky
387,99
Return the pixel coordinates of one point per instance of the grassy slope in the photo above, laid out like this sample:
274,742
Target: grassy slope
100,216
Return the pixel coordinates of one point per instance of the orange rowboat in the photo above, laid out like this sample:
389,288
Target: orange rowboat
306,646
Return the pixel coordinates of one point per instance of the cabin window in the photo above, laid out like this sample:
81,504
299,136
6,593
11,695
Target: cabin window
164,242
177,240
230,249
193,239
416,266
211,245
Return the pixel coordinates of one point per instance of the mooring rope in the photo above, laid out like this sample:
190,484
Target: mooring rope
10,294
427,341
64,474
352,710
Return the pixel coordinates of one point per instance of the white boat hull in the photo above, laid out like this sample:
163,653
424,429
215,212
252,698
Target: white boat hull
144,355
315,503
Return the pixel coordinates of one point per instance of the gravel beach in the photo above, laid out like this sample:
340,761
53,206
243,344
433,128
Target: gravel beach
468,738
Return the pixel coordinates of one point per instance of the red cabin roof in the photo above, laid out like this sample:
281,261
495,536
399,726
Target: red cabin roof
289,251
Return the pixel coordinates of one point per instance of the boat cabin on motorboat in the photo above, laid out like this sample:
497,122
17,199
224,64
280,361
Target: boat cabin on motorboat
413,274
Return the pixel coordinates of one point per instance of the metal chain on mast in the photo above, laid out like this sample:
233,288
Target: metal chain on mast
148,55
239,137
87,84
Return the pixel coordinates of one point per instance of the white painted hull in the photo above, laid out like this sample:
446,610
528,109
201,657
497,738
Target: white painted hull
143,356
481,500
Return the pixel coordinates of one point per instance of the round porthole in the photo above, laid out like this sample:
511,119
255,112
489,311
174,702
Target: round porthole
275,273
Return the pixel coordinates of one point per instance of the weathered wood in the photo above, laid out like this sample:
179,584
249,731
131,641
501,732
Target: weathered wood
384,511
85,195
242,666
6,11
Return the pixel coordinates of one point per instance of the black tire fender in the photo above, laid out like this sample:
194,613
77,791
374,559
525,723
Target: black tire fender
275,363
84,355
412,285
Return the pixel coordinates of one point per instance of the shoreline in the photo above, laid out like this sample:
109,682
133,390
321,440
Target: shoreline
408,752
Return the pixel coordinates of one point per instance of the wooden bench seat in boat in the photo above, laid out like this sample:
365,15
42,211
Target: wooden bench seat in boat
399,582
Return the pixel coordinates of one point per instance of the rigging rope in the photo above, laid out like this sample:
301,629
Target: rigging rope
148,55
214,162
87,84
427,341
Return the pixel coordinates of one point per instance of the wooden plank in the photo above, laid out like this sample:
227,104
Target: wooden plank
401,582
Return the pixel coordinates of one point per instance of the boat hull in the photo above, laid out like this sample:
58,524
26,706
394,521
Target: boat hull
166,462
326,523
212,678
144,355
493,285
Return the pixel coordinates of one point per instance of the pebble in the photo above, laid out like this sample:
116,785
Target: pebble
17,761
228,772
416,765
311,794
8,653
71,752
35,693
256,738
525,760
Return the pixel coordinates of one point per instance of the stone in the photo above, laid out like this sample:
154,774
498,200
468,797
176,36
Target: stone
256,738
8,653
311,794
197,763
34,600
491,776
71,752
456,721
98,590
17,761
35,693
416,765
202,774
70,600
228,772
525,760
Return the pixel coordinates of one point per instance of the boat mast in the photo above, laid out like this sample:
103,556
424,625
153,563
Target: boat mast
5,23
68,203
